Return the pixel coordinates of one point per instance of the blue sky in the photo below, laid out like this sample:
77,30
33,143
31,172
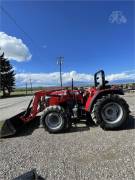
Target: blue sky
90,35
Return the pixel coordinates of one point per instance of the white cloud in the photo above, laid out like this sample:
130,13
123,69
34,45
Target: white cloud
14,48
128,75
49,79
117,17
83,77
52,78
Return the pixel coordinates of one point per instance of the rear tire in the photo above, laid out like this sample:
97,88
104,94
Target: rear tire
54,119
111,111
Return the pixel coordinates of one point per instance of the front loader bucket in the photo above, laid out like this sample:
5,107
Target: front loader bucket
10,126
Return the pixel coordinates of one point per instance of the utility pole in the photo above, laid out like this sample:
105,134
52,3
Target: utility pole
31,85
60,61
26,88
0,73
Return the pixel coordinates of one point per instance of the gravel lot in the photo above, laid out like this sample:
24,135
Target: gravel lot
83,153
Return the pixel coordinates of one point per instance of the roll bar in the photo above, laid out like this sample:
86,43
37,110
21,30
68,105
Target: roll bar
100,74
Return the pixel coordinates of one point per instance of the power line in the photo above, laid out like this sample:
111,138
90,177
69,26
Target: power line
21,29
15,22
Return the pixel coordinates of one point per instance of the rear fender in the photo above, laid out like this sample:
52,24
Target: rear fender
91,100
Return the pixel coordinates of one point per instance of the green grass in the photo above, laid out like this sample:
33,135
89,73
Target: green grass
18,93
22,92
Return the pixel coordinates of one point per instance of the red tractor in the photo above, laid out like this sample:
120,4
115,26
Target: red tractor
60,108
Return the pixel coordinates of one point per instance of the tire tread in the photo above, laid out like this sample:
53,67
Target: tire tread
97,107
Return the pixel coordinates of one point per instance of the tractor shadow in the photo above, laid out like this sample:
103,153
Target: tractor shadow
130,124
78,129
84,125
29,128
81,126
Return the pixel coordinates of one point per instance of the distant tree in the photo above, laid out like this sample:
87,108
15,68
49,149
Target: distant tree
7,76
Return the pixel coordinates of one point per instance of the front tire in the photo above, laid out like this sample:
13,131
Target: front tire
111,111
54,119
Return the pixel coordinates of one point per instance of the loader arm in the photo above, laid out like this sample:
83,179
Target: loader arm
33,108
36,105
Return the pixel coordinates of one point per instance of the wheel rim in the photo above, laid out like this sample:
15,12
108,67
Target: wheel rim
112,113
53,121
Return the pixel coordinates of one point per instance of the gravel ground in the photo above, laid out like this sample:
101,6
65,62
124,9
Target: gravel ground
84,153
